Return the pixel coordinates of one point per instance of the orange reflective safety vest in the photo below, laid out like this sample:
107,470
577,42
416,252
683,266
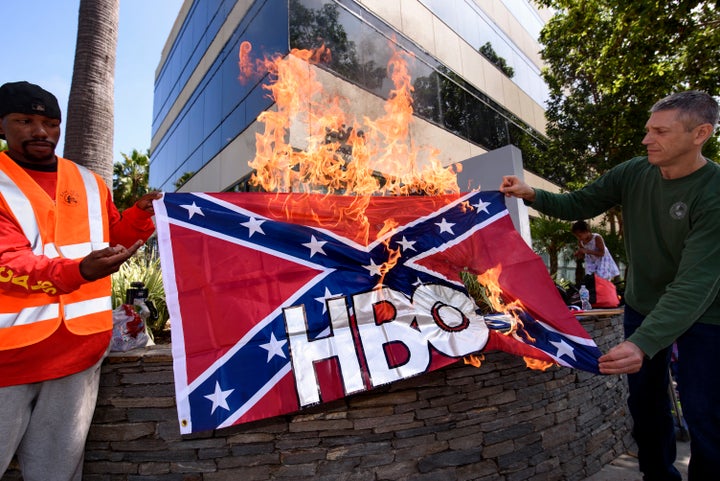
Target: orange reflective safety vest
71,227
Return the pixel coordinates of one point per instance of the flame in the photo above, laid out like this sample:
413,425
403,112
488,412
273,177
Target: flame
393,254
309,144
538,364
244,63
338,154
341,154
490,279
474,359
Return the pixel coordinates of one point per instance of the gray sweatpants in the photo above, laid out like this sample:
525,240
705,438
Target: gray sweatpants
46,425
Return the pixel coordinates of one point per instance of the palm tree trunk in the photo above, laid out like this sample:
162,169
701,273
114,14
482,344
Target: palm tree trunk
90,115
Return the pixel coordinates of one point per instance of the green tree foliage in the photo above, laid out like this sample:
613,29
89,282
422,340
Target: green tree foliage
130,178
3,145
489,52
130,182
551,236
183,179
608,61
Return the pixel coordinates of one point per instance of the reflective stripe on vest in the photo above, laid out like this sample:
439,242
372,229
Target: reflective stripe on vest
18,203
73,251
30,314
90,306
95,211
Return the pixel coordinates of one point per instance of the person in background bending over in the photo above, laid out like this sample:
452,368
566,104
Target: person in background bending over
591,246
671,219
60,239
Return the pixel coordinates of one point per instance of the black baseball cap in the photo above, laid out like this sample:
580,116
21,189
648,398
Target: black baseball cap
26,98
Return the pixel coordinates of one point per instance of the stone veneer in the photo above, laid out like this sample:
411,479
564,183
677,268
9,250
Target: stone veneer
501,421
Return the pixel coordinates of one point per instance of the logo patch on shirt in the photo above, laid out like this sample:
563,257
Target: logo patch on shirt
678,210
70,197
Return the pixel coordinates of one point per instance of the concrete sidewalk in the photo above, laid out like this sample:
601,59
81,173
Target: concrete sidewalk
625,467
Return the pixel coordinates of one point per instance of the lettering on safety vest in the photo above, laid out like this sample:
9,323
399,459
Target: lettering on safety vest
7,276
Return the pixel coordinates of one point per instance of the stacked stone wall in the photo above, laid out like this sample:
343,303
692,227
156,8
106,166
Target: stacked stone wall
501,421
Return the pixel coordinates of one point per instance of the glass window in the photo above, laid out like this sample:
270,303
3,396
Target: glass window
197,32
441,96
214,114
212,106
526,16
222,107
478,30
213,144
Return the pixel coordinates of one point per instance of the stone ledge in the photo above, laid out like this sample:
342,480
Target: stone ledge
501,421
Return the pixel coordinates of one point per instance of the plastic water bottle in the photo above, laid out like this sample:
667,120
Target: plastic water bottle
585,298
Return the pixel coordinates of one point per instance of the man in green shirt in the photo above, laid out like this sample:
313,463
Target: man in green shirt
671,220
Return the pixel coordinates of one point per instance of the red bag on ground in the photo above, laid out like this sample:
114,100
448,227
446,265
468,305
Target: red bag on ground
605,293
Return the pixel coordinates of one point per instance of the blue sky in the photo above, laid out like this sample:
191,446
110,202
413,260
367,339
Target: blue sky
39,46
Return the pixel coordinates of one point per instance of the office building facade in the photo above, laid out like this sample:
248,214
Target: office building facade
475,71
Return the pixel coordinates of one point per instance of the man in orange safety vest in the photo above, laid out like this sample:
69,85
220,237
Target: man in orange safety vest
61,237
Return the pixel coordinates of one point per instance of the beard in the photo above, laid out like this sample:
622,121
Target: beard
31,157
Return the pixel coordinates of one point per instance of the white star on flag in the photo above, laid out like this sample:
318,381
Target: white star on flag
373,268
253,226
192,210
315,246
219,398
406,244
274,347
482,206
563,349
326,296
445,226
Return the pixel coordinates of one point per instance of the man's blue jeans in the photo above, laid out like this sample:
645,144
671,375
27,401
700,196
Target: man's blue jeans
650,406
699,389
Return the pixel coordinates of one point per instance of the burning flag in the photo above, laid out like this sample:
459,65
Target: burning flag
280,301
271,314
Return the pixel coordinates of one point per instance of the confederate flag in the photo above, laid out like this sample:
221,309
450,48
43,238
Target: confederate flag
281,301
